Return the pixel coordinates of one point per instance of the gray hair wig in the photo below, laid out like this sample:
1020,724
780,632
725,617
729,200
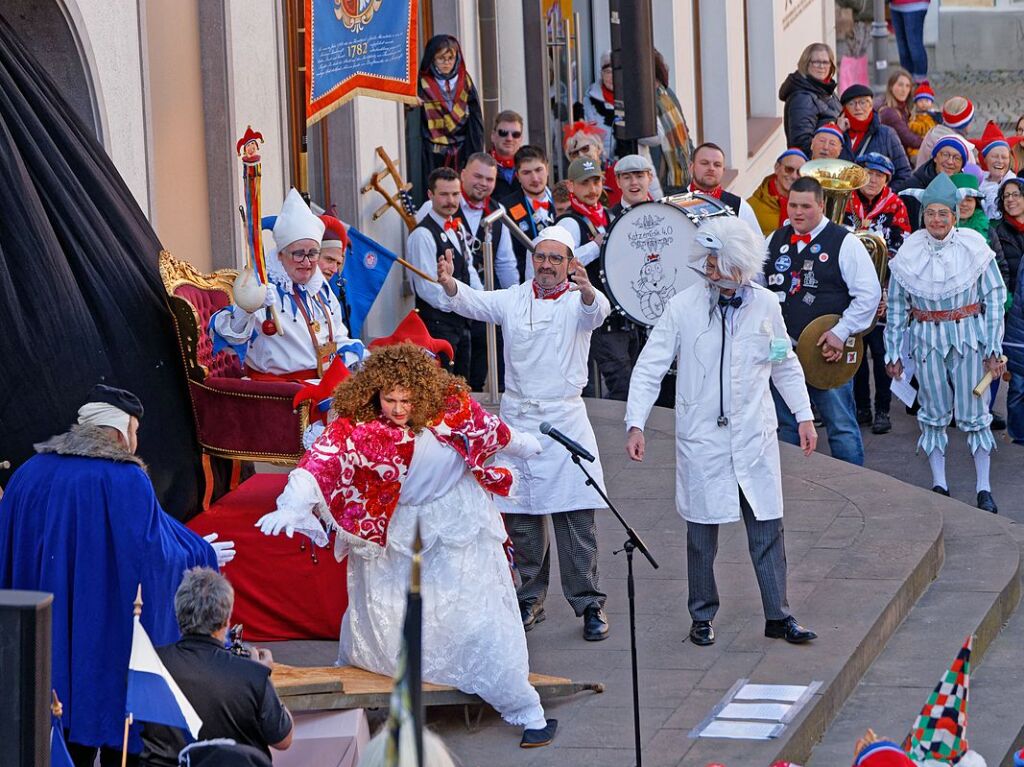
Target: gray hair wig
203,601
740,250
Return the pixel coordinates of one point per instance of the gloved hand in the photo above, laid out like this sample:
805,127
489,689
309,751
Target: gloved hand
225,550
276,521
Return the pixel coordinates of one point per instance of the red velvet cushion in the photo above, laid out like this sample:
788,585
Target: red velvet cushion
245,416
280,593
206,302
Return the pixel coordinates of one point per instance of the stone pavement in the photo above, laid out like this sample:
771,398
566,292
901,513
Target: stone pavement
996,95
861,548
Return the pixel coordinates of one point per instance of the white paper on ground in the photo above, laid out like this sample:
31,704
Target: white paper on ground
787,692
773,712
721,728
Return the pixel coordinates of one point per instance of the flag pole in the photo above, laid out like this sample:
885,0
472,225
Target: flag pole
136,612
414,639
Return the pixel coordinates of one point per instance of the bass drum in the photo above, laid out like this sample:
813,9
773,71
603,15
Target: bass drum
648,252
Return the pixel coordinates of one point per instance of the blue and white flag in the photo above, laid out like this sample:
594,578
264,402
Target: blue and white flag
366,268
59,756
153,695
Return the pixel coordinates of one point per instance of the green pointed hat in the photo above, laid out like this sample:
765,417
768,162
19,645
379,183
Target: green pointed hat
941,190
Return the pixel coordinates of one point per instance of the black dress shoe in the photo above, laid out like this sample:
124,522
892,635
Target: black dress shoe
702,634
595,624
940,490
541,737
532,615
864,416
882,424
987,502
788,629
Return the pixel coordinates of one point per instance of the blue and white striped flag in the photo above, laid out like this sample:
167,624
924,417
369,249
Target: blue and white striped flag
153,695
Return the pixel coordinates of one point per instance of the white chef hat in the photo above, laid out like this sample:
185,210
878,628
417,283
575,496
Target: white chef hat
296,222
556,234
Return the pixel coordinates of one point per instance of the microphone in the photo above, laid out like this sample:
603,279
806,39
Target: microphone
571,445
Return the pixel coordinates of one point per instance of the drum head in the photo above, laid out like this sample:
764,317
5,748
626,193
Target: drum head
648,252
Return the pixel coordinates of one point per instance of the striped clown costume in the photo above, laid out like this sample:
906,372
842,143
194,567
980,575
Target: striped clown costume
945,312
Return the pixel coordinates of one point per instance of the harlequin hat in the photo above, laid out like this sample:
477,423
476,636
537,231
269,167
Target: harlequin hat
335,233
321,392
993,137
940,732
941,190
413,329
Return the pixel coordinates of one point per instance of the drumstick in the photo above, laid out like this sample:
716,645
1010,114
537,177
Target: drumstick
986,381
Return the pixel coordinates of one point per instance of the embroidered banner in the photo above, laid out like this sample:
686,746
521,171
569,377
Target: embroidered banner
359,47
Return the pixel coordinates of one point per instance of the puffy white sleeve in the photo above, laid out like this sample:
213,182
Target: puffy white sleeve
523,445
301,505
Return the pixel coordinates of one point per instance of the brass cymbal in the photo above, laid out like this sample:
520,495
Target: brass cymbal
819,373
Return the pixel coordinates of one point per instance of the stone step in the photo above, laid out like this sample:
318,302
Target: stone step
976,592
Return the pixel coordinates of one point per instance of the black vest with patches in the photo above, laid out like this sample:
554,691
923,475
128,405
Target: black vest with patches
428,312
809,284
732,200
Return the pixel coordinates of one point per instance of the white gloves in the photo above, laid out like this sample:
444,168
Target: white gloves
225,550
276,521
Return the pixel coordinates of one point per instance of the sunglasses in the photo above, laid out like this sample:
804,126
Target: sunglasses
506,133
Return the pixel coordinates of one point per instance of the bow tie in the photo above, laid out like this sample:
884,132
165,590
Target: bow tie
451,225
804,238
734,301
538,204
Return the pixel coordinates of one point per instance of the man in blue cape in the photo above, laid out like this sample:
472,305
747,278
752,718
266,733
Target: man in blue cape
80,519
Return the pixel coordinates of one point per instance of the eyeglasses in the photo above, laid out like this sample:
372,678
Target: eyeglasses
940,214
819,63
555,259
506,133
1007,196
446,55
948,154
298,256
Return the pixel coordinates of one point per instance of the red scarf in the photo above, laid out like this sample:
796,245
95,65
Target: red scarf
595,214
508,163
858,128
549,294
887,202
485,206
1018,225
360,467
716,192
773,190
607,95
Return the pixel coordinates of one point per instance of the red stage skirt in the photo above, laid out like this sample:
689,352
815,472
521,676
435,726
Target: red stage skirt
280,591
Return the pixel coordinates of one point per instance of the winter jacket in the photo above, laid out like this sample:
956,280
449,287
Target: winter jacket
767,206
920,179
1013,335
809,104
1013,246
898,118
882,139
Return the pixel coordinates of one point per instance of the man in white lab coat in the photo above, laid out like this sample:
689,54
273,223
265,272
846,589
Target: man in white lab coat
546,323
729,340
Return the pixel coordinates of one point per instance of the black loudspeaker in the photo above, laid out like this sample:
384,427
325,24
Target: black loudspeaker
25,618
632,34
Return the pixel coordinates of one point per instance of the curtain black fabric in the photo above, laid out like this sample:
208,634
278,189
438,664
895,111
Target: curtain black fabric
81,299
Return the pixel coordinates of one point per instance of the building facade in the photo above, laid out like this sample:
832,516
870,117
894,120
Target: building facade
169,85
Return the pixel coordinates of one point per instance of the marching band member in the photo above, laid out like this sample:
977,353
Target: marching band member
634,173
946,302
313,328
531,206
707,169
816,267
727,460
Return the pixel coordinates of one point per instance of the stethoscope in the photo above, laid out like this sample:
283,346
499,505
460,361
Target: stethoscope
734,301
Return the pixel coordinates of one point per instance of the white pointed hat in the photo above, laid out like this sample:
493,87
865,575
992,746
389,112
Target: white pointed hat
296,222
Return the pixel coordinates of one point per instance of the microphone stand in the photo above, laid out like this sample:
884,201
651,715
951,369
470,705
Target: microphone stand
633,543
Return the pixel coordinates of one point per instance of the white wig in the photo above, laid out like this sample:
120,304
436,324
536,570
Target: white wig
740,250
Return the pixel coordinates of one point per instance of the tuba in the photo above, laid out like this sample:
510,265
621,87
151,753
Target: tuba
839,179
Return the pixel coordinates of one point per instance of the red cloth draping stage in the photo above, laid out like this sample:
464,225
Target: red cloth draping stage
280,593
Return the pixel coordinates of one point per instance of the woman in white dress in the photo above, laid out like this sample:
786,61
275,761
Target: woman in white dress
410,445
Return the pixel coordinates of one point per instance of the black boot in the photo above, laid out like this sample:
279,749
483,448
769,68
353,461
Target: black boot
882,424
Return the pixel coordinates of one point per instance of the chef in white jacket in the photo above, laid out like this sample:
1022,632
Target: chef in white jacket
546,324
727,336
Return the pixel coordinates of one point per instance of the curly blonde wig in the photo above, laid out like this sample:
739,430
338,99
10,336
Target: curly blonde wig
405,366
